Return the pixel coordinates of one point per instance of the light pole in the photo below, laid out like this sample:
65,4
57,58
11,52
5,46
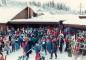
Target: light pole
80,9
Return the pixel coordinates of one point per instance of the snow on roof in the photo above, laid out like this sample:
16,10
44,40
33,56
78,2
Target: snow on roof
41,19
3,20
45,18
7,13
75,20
59,17
33,20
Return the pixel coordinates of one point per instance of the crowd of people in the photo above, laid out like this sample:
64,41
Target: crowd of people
42,40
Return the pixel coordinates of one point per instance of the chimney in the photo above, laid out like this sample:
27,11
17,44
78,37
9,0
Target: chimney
30,13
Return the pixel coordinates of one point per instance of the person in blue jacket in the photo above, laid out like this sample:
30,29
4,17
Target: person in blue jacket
20,40
48,45
37,49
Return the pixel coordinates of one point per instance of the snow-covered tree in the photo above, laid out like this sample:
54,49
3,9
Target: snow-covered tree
3,2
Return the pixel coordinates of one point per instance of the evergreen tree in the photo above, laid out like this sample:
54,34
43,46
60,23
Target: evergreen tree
3,2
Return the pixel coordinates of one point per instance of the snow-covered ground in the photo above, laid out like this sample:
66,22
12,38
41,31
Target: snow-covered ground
61,56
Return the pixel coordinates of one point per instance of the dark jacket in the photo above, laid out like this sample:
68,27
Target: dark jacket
1,48
37,48
54,46
48,45
27,47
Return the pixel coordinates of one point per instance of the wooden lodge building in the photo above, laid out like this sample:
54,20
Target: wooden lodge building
27,15
22,17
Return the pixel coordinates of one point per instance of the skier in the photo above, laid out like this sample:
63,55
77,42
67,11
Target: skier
27,47
42,54
54,48
44,45
37,49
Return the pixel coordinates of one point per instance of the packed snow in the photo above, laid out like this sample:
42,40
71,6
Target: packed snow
60,56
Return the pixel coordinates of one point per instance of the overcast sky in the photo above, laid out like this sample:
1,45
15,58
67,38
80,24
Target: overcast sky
74,4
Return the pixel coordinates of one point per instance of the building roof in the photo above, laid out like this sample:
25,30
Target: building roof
75,21
47,18
7,13
43,18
